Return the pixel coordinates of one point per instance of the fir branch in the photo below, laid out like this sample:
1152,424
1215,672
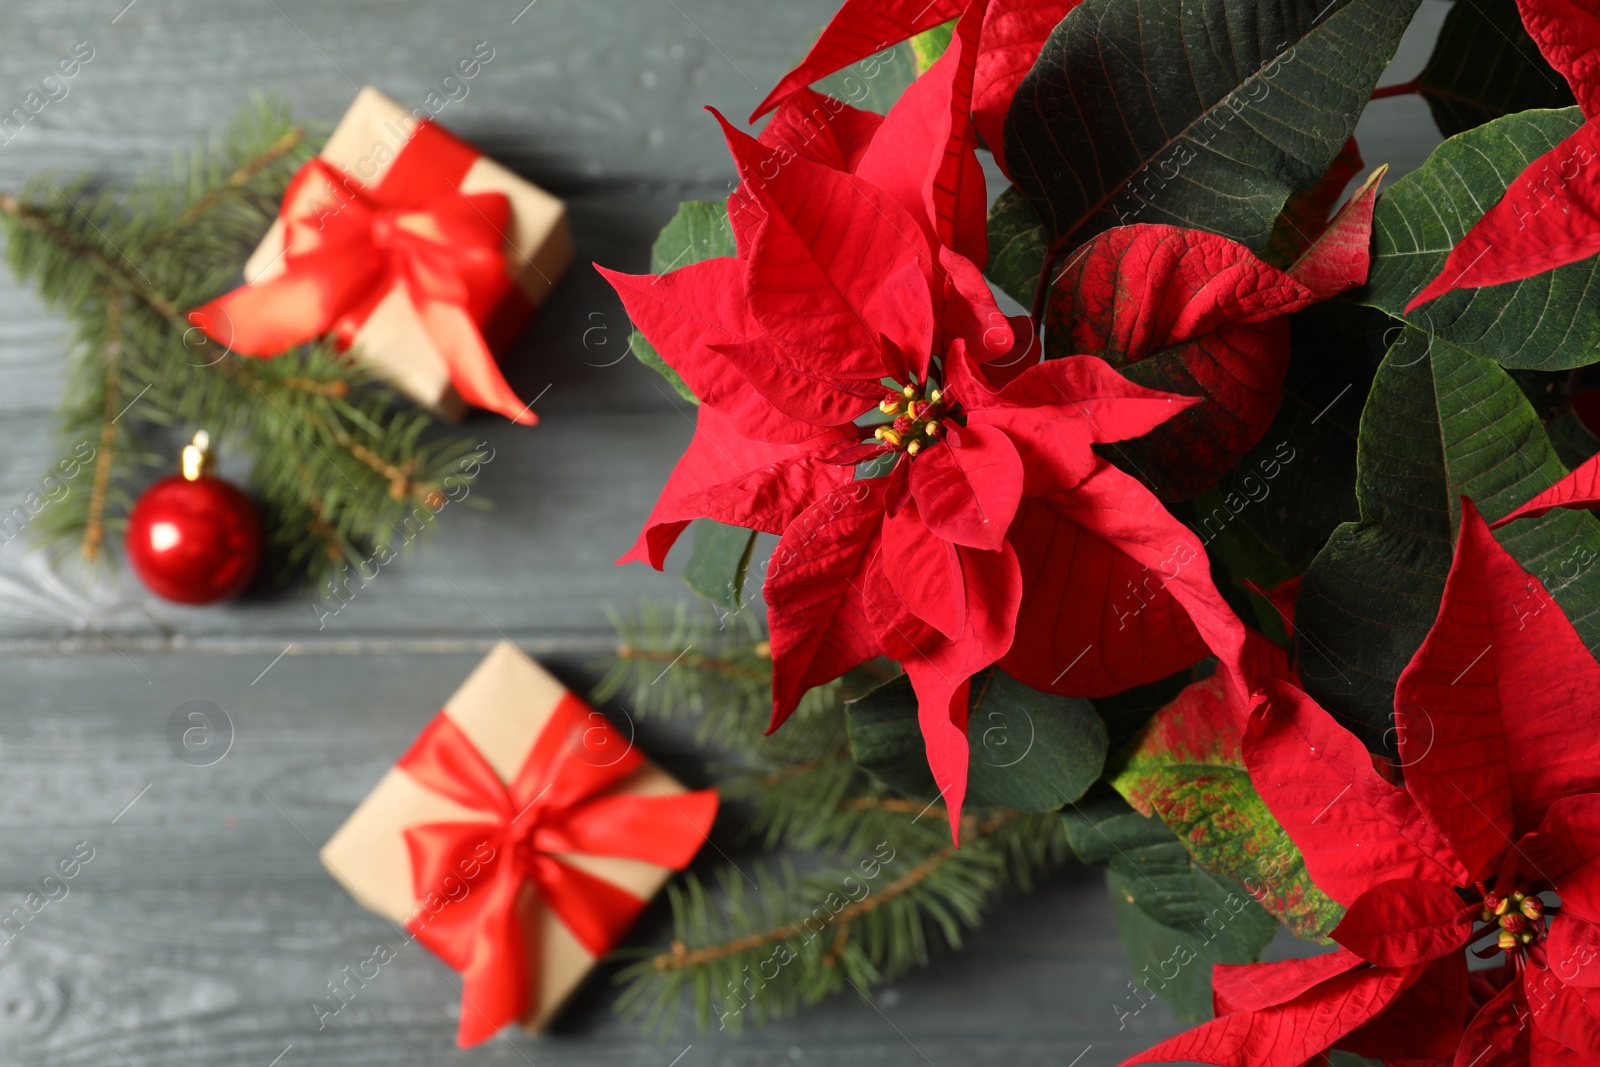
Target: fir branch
751,955
717,668
698,662
335,390
681,957
884,887
288,142
336,548
797,770
339,468
40,222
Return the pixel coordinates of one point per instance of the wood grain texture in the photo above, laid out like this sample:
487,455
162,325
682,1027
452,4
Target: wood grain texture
204,925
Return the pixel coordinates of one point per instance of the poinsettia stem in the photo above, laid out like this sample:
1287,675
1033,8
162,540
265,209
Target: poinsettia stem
681,956
1403,89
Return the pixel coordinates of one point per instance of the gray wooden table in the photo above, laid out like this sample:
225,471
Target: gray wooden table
203,925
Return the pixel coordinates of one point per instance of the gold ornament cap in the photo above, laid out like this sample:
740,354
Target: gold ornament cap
197,459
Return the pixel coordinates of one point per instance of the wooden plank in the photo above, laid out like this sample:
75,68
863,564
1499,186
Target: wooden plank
577,344
586,94
204,925
568,495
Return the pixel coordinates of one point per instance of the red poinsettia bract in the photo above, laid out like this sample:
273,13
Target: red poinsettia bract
1198,314
1014,33
1550,214
1494,842
861,244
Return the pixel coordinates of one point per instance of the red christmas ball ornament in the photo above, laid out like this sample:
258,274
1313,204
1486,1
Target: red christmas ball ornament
193,538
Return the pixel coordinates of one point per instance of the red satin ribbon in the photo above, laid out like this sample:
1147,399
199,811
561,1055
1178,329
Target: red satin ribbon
349,245
557,803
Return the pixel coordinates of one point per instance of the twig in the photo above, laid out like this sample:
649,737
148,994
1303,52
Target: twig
681,956
94,529
119,278
319,524
836,949
332,389
694,661
400,483
273,152
898,805
796,770
399,479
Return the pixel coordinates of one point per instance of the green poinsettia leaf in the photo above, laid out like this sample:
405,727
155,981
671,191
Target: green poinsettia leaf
1176,919
646,353
720,561
1030,751
1574,442
1186,769
1298,483
1235,547
1439,423
1175,961
876,82
1547,322
1017,246
1186,132
698,231
1125,713
885,738
1105,831
929,45
1484,65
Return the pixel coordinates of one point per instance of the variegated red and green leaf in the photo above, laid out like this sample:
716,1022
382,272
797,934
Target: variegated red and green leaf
1196,314
1186,768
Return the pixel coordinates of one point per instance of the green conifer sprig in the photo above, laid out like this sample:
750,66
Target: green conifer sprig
339,467
763,939
861,885
680,662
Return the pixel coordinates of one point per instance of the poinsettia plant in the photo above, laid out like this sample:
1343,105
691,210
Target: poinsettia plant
1193,415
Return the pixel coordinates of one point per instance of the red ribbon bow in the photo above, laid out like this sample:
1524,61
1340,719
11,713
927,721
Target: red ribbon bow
349,245
558,803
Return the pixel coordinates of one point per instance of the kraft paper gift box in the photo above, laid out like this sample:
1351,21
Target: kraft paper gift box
393,339
509,716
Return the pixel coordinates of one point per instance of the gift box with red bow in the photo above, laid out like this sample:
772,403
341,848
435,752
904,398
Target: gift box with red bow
518,839
409,246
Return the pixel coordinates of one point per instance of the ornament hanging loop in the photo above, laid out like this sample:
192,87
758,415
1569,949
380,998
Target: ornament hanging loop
197,458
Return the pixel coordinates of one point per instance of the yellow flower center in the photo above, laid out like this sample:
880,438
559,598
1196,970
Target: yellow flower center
917,419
